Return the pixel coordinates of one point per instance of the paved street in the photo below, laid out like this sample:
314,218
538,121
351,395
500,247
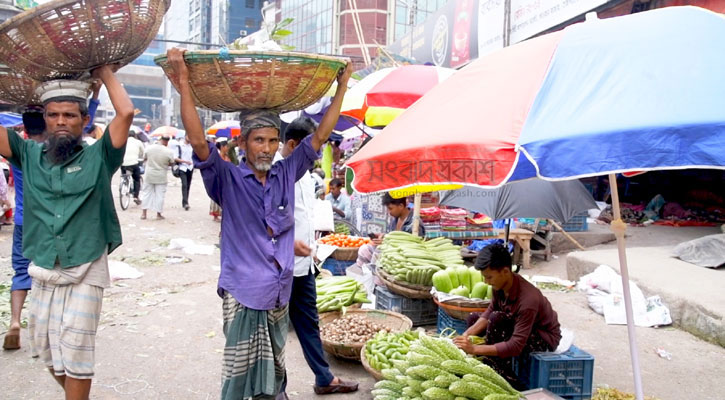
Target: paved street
160,335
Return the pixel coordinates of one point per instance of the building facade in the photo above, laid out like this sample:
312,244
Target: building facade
144,82
355,28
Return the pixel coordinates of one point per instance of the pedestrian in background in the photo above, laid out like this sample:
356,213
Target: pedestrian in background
132,159
186,170
158,160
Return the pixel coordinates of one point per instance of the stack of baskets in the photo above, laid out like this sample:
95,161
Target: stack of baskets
65,39
235,80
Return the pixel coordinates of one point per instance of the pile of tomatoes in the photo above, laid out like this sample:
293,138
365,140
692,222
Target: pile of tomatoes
342,240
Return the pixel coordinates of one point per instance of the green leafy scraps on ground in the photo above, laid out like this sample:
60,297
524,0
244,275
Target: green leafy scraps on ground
151,260
614,394
553,286
164,243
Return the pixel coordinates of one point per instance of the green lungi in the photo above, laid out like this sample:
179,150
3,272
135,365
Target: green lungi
253,364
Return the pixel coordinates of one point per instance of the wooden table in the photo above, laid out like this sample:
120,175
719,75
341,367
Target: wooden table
520,237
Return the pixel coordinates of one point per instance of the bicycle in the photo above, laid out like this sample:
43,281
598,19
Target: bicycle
125,188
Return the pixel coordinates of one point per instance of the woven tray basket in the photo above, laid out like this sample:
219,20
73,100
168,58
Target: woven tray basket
345,253
372,371
67,38
17,89
351,351
461,309
236,80
402,288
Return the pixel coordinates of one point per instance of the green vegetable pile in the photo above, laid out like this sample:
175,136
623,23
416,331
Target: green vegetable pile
462,281
410,259
385,347
337,292
435,369
342,228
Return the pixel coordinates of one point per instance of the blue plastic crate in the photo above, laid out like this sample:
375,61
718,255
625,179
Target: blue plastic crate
420,311
337,267
446,321
577,223
568,375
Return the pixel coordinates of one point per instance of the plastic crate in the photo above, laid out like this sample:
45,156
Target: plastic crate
420,311
568,375
577,223
446,321
337,267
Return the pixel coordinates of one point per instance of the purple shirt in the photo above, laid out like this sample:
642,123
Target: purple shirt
248,253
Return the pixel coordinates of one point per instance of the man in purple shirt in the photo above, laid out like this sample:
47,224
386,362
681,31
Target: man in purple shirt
257,243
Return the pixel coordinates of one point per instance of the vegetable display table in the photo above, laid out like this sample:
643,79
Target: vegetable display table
521,238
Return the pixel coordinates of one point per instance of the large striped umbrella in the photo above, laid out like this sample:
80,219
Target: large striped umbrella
227,129
383,95
633,93
168,131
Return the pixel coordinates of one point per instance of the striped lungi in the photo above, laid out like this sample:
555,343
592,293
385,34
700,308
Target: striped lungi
62,326
254,351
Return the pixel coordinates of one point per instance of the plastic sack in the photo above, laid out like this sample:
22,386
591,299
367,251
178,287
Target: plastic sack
708,251
567,339
190,247
606,296
324,219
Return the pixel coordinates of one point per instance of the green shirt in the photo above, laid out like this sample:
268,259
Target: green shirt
69,216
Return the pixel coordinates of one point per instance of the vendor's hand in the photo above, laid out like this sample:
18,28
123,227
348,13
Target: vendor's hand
464,344
103,71
301,249
96,87
344,75
175,57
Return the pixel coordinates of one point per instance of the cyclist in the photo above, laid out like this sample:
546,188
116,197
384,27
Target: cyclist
134,153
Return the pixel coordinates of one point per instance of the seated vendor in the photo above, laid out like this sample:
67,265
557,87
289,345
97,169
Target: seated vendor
520,320
402,221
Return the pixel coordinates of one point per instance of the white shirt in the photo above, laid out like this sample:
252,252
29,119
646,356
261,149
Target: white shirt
186,152
304,220
342,203
134,152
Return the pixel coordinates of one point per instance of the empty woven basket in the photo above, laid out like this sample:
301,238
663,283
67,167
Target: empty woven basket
67,38
227,81
17,89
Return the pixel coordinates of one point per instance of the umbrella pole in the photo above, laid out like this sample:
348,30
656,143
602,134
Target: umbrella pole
416,213
507,230
619,228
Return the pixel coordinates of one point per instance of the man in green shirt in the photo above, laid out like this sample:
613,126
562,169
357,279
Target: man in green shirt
70,224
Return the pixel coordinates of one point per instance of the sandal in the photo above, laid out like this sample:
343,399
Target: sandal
341,387
12,341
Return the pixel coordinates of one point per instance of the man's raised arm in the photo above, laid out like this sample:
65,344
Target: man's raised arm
333,113
119,126
189,115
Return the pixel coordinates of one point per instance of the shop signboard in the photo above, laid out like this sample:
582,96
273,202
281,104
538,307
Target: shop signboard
464,30
528,18
446,39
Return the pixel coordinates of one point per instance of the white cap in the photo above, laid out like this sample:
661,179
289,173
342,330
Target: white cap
63,88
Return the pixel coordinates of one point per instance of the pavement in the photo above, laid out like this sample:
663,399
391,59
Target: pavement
160,336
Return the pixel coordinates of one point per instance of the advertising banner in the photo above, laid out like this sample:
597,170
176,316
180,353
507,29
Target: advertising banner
528,18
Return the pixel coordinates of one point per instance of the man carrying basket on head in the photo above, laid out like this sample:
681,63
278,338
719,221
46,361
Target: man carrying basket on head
69,224
257,243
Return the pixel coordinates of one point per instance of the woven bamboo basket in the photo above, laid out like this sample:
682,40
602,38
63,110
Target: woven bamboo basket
16,88
236,80
67,38
372,371
402,288
351,351
461,309
345,253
